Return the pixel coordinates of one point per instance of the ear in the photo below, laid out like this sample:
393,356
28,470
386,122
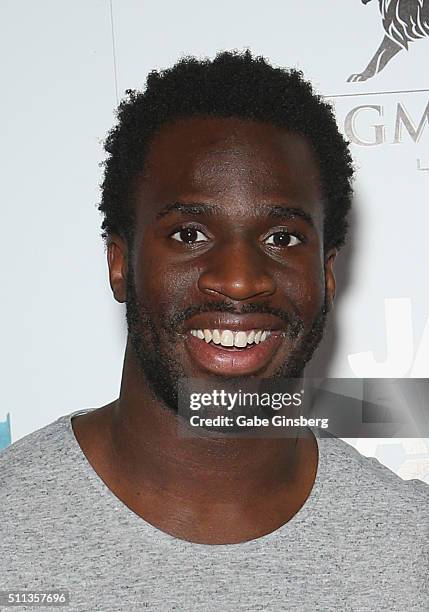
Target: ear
330,284
117,259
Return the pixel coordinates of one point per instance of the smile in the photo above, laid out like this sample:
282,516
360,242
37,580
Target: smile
228,338
228,353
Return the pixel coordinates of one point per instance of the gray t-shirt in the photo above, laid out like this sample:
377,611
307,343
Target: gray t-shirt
360,542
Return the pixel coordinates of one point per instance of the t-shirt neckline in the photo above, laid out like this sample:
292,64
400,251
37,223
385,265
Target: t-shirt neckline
123,511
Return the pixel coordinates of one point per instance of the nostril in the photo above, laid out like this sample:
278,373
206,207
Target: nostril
236,286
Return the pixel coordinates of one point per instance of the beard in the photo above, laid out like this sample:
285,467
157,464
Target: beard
162,371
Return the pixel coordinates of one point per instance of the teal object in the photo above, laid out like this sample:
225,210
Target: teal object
5,438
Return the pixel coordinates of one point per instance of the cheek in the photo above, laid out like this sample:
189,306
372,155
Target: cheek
303,284
161,283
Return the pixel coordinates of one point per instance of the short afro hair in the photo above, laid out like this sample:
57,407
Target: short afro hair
233,84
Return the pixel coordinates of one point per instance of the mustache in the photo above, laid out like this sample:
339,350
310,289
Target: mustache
292,319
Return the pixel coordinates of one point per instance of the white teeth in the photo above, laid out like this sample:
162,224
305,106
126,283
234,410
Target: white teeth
227,338
216,336
240,339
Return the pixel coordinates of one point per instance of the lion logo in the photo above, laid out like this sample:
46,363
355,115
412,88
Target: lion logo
403,21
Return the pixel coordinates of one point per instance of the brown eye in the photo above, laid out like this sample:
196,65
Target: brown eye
282,239
189,235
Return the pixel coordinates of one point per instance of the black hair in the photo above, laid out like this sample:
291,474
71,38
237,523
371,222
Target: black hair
233,84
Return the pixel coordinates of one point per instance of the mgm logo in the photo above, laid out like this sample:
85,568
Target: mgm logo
401,125
404,21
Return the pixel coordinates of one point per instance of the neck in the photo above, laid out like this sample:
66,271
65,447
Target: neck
205,489
149,450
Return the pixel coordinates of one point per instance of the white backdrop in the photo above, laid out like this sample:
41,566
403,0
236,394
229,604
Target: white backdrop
65,65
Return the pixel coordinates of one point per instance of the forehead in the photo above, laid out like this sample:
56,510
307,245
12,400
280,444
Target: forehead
231,162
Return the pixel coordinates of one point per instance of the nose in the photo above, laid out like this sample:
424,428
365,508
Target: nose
237,272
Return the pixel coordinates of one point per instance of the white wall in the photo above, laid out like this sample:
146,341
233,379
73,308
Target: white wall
62,334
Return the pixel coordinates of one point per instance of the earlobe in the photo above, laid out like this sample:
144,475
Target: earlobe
117,262
330,285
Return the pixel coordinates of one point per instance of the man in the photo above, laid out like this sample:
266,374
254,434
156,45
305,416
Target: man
225,196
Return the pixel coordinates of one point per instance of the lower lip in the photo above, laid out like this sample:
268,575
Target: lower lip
229,362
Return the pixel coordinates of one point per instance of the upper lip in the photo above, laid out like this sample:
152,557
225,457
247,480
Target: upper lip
244,322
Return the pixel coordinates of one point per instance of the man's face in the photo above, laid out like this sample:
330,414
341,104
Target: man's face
227,250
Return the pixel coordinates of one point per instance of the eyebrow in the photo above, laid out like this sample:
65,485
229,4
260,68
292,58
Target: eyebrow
288,212
211,210
196,208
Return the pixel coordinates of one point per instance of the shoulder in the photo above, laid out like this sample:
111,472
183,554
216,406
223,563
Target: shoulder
33,450
36,465
363,485
31,457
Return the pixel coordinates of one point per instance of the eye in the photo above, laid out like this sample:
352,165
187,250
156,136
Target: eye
282,238
189,235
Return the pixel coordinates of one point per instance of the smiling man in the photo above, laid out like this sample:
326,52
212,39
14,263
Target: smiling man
225,196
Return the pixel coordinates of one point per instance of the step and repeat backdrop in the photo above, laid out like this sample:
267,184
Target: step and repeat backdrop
67,66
